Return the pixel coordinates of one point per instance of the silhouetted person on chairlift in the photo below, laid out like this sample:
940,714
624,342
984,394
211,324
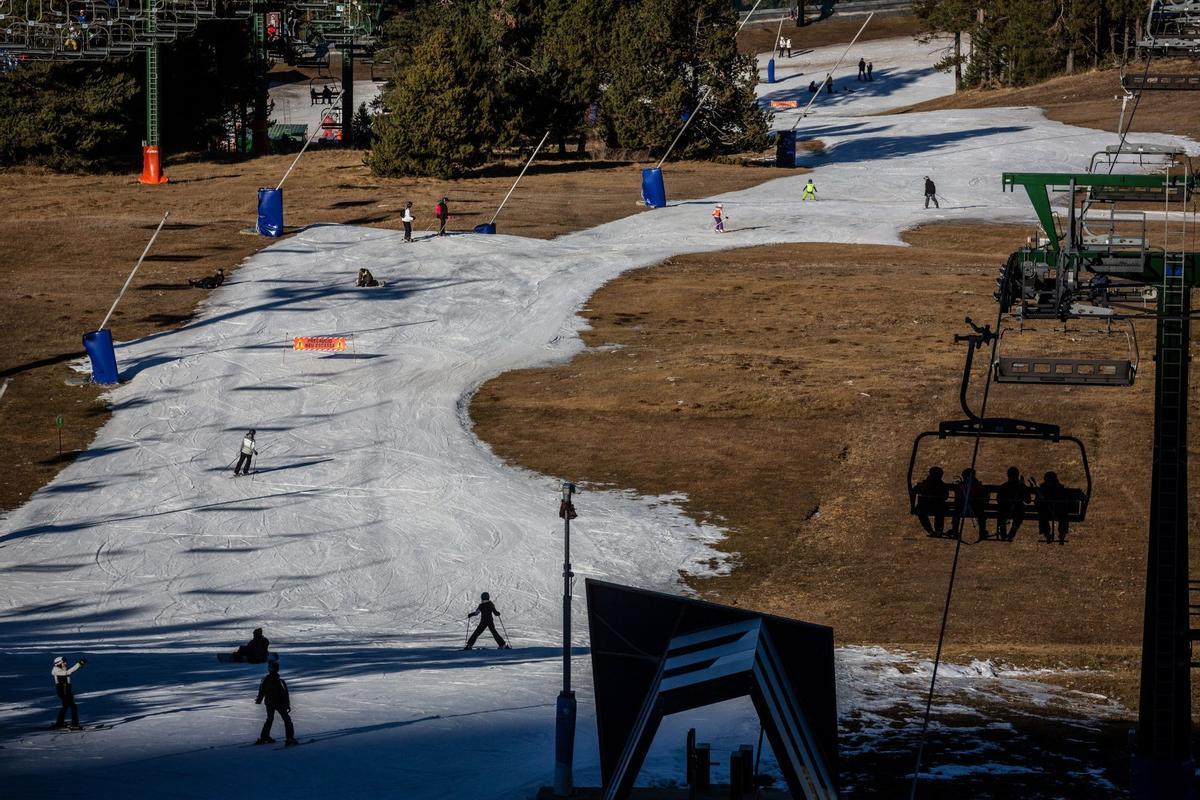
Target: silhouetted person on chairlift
929,500
312,95
1053,506
327,95
1011,497
970,499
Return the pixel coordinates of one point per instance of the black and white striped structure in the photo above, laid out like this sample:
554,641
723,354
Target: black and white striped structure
655,654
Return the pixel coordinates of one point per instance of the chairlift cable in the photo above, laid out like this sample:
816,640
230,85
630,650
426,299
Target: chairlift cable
1136,101
937,658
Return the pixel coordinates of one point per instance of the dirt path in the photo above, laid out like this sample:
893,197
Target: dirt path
71,240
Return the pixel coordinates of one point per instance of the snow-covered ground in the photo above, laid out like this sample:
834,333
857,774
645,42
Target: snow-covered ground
376,517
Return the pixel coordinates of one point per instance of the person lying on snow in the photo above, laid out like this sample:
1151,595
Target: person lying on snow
209,282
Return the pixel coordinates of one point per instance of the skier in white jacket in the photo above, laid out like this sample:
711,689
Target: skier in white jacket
247,452
62,687
408,219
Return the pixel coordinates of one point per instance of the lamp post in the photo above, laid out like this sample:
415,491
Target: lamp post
564,729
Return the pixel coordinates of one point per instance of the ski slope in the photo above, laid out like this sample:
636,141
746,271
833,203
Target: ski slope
376,517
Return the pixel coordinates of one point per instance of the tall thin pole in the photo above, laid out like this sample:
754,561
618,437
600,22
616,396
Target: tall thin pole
536,150
128,280
699,105
564,730
820,88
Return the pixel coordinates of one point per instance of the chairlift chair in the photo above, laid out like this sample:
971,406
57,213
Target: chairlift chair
1066,371
1070,506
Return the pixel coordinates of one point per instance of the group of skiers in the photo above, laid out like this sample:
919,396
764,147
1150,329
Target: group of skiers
273,689
967,498
441,212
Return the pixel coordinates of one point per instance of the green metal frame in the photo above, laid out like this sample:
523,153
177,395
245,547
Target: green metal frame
1038,184
1162,765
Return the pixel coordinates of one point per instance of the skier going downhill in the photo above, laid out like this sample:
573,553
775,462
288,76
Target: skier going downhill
408,220
810,191
718,215
247,453
62,686
485,611
274,690
930,193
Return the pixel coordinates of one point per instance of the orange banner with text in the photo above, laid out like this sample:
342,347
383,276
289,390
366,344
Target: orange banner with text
334,343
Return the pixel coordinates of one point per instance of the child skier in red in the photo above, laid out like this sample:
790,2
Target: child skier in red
718,219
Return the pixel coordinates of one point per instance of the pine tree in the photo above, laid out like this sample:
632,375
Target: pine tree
439,118
666,57
69,116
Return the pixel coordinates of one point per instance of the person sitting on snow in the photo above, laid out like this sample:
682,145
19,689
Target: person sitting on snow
255,650
365,278
209,281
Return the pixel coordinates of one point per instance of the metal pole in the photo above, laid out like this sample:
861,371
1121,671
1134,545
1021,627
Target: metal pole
821,88
149,244
522,175
296,160
1162,763
702,99
347,94
564,729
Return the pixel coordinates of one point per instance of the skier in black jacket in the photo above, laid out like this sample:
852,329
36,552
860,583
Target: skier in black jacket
275,692
484,611
62,687
930,193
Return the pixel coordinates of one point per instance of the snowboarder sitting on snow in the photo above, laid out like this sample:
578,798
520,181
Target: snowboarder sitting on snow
247,452
62,687
208,282
365,278
718,219
255,650
274,690
485,610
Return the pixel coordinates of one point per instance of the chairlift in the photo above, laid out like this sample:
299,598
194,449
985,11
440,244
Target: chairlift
1068,371
1055,506
932,500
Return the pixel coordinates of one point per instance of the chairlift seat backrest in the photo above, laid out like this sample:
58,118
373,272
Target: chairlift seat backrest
1064,371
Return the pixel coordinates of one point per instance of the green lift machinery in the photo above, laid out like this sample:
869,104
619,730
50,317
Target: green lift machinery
1076,274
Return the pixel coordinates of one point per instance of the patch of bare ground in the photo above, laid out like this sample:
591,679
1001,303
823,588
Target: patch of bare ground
780,388
70,241
762,37
1089,100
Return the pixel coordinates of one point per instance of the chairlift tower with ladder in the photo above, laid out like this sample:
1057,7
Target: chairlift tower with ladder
1163,765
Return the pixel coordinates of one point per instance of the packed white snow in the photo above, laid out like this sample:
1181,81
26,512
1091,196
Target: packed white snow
376,517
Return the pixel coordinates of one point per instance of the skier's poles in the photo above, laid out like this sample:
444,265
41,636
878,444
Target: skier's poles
467,634
504,628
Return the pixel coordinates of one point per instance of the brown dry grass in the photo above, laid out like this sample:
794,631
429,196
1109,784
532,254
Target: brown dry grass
69,242
760,38
780,388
